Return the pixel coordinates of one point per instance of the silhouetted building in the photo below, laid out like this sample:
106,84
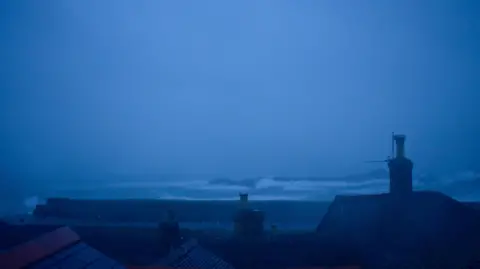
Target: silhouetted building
400,170
243,200
248,222
431,230
427,230
169,233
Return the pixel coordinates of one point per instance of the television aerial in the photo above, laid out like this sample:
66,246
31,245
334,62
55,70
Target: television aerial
389,158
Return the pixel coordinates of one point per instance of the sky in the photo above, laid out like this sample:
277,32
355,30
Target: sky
238,87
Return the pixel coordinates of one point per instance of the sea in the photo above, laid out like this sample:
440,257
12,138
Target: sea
21,195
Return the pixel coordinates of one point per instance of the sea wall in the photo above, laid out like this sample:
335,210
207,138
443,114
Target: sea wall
187,211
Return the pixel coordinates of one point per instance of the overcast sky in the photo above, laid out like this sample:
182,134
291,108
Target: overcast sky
238,87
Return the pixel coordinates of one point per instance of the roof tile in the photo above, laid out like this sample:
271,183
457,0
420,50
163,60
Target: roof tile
196,257
60,249
37,249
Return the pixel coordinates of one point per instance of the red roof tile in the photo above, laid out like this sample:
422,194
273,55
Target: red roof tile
39,248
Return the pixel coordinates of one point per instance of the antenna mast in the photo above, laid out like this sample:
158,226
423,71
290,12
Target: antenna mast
389,158
393,146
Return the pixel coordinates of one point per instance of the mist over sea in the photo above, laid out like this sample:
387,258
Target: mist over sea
463,186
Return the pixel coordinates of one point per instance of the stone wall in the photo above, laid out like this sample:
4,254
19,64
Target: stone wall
187,211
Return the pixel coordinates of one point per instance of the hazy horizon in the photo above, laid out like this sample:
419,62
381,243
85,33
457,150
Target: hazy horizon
236,89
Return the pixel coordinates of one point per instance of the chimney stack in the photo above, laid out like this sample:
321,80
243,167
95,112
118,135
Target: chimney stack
400,142
400,170
243,199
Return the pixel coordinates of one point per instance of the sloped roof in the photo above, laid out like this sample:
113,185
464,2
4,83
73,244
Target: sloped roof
38,248
14,235
61,248
192,255
426,229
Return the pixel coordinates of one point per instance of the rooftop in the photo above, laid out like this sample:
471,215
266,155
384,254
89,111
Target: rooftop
61,248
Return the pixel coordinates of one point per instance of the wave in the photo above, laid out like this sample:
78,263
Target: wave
463,185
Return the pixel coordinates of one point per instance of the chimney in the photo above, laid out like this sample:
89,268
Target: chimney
243,199
400,142
400,169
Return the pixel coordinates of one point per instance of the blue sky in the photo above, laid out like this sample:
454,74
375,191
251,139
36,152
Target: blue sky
238,87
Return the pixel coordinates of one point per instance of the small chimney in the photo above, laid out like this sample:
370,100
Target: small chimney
400,142
243,199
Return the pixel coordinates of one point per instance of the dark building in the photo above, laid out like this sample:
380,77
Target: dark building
403,228
248,222
169,233
400,169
